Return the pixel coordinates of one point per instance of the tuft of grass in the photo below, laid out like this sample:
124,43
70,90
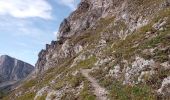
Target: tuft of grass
86,93
106,82
27,96
156,80
88,63
76,81
68,96
30,84
98,73
125,92
59,85
43,97
161,55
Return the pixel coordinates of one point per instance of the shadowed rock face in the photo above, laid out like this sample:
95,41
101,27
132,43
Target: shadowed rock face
12,69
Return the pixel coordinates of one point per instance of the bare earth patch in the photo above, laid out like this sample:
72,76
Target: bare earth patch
99,91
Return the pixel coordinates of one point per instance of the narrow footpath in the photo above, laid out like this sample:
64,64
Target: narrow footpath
99,91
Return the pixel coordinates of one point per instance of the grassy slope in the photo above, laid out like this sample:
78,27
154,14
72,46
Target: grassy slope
121,49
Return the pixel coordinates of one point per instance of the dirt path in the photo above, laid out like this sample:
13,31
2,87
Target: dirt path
100,92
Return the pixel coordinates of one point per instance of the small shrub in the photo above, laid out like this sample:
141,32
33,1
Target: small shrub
59,85
76,80
88,63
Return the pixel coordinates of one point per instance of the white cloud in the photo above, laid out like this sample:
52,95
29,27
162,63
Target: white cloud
26,8
70,3
18,27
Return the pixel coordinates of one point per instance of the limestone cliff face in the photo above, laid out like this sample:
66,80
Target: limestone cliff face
124,44
128,16
13,69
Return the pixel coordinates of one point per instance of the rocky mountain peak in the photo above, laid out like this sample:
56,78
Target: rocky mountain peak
12,69
3,57
90,11
128,15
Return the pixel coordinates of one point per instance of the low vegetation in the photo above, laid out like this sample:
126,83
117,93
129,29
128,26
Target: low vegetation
27,96
133,45
88,63
140,92
86,93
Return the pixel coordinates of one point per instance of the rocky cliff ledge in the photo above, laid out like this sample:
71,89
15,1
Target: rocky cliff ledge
127,16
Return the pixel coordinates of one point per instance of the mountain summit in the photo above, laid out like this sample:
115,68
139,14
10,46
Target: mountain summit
12,71
106,50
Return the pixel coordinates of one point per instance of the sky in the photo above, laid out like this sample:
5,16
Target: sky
27,25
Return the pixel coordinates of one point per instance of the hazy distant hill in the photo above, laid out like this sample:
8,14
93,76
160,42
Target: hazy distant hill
12,70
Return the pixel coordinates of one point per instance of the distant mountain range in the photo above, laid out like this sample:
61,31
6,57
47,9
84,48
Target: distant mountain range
12,70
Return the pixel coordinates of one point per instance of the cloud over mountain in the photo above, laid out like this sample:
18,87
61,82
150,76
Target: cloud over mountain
26,8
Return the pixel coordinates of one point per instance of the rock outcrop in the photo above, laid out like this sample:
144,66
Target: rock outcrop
128,16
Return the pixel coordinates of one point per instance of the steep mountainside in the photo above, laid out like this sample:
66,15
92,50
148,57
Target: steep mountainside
12,71
119,47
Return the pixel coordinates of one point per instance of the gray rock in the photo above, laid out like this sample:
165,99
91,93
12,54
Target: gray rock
127,14
13,69
165,88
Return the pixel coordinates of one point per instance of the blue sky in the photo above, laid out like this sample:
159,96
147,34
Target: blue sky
27,25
